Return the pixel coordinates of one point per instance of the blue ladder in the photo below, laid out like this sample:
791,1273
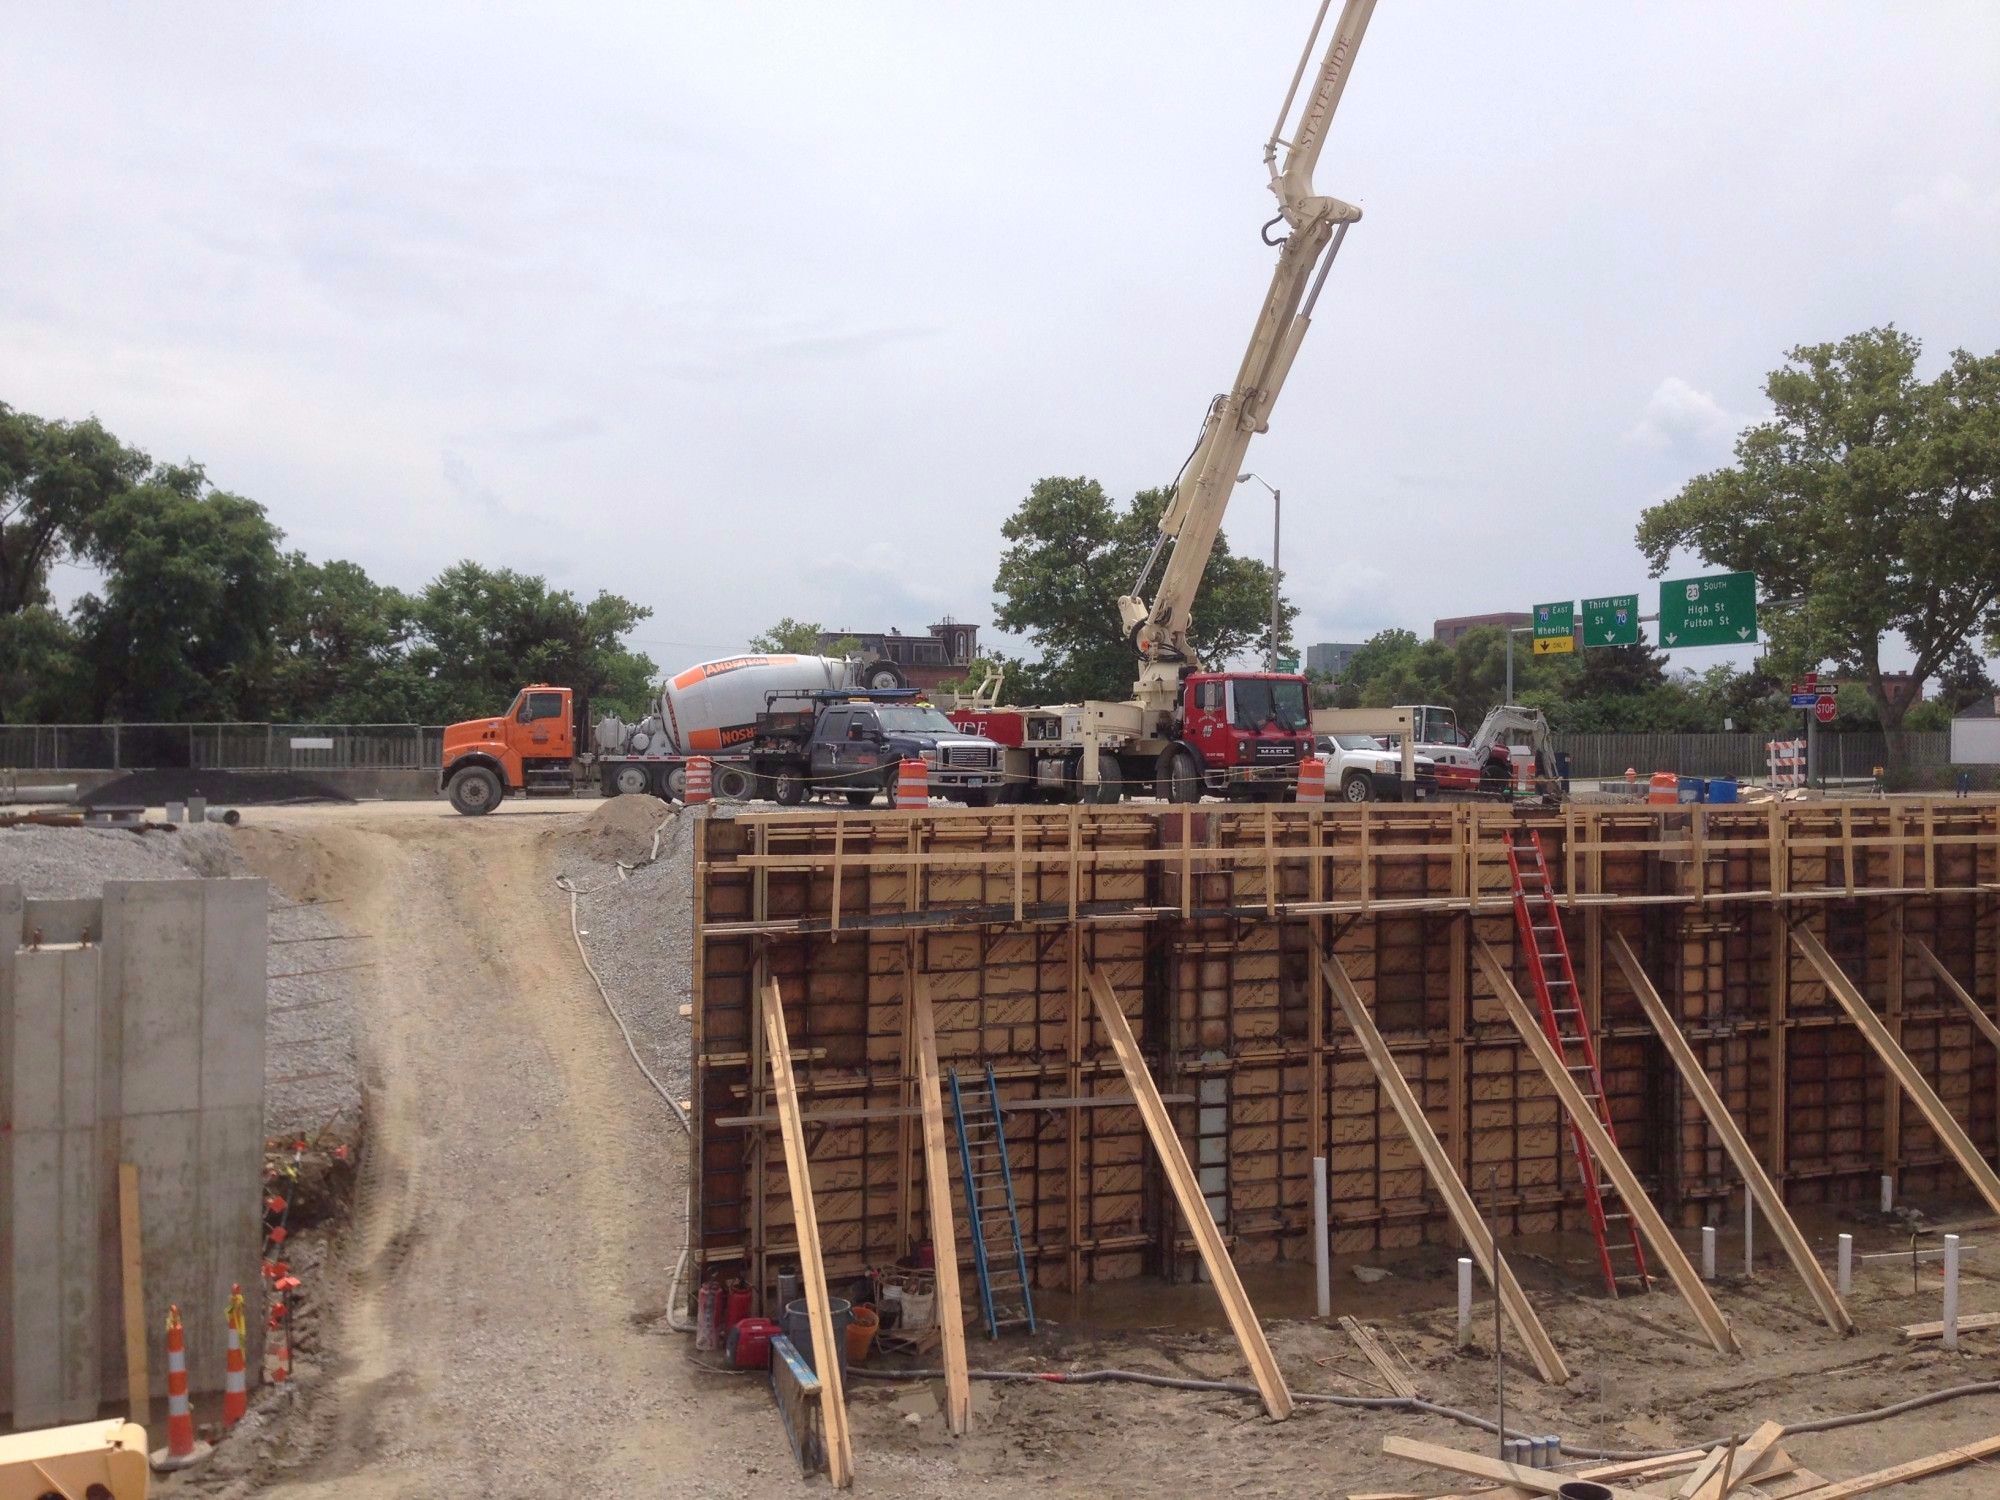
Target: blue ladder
988,1181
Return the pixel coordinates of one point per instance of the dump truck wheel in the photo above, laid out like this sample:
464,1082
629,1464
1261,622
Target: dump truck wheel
474,791
630,781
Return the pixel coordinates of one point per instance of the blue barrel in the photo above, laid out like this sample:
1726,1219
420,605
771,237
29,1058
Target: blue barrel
1693,789
1721,789
797,1323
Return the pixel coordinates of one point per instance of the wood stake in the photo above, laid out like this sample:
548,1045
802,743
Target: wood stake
1984,1022
812,1270
138,1379
944,1232
1665,1246
1914,1084
1194,1207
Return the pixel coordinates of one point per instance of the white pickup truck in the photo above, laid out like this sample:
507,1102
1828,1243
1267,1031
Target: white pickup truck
1359,769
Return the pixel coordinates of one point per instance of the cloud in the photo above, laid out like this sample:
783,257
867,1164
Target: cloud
1949,202
1677,415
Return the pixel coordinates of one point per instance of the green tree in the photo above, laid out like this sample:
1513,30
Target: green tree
1869,497
339,645
481,633
791,637
181,629
1071,552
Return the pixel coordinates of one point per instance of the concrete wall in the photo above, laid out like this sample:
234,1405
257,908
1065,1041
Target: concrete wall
134,1033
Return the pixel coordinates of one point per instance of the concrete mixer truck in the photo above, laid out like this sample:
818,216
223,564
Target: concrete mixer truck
772,726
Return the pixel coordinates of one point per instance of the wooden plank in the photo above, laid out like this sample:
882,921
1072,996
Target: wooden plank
132,1286
1967,1323
1537,1481
1914,1083
1984,1022
1194,1207
1740,1461
1769,1199
812,1270
1703,1472
1458,1201
1916,1468
1775,1464
1374,1354
1609,1157
944,1233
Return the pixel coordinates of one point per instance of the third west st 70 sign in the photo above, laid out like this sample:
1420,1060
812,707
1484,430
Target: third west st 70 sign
1720,610
1611,621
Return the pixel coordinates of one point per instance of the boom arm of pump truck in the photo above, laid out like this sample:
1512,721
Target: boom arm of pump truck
1317,224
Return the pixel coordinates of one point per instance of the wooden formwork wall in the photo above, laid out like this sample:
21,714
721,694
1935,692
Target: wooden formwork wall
1208,923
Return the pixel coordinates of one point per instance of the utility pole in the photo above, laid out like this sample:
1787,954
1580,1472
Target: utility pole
1277,505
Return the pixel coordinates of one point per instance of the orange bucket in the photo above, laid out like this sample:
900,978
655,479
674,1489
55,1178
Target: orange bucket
861,1333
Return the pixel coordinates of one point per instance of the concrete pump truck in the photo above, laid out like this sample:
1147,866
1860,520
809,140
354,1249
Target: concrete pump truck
1191,728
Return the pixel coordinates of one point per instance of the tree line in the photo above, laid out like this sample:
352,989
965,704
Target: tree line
197,613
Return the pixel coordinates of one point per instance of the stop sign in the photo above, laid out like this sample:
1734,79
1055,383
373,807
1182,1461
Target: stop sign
1825,710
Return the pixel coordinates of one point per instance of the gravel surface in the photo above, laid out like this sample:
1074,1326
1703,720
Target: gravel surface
637,922
312,1077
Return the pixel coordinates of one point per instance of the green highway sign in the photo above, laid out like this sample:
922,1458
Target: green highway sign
1720,610
1555,628
1613,621
1288,664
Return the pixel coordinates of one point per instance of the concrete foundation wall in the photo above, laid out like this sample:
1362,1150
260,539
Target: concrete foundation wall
133,1032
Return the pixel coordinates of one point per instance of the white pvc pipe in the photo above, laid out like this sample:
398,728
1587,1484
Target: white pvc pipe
1888,1193
1951,1291
1749,1233
1464,1301
1322,1271
1846,1283
1708,1252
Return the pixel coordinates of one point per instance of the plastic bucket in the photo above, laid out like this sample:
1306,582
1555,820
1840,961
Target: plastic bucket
798,1328
1693,789
1721,789
919,1311
861,1328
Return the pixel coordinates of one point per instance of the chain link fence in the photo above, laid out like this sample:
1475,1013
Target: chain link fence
222,747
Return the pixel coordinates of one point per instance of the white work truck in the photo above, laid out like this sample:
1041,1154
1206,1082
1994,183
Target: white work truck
1359,768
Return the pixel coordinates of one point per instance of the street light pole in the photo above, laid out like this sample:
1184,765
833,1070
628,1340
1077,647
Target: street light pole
1277,505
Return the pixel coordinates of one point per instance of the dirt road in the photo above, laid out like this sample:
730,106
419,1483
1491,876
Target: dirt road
520,1206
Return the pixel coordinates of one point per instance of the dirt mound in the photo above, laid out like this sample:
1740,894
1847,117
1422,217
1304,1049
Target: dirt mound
221,788
620,830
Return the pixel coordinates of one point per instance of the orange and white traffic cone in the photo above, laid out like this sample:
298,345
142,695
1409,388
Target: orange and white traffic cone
181,1449
913,784
235,1390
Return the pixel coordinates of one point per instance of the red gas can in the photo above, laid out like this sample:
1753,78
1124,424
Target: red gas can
750,1343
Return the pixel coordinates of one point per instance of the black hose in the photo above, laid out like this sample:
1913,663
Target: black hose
1418,1404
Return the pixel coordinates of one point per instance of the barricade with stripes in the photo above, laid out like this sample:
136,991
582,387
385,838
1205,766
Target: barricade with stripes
1787,762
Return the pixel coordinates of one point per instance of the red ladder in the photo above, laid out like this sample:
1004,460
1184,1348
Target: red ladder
1547,952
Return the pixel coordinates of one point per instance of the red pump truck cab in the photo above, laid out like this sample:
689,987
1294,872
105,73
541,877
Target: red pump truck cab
1239,735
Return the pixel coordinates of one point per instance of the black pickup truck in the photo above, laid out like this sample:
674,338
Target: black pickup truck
851,745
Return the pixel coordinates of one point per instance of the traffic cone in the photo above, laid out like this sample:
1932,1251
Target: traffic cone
235,1392
182,1449
1312,779
913,784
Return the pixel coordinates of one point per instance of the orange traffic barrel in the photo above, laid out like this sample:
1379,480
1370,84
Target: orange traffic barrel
181,1449
913,784
1664,789
1312,779
235,1387
700,780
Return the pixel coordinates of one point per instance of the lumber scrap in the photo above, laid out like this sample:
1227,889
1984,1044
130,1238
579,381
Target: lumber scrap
1194,1207
1706,1313
812,1270
1520,1476
1738,1461
1914,1084
1967,1323
1703,1472
132,1287
1916,1468
1987,1027
944,1233
1444,1176
1372,1351
1777,1464
1766,1192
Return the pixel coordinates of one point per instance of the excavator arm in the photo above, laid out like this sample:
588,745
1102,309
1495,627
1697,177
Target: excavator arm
1317,224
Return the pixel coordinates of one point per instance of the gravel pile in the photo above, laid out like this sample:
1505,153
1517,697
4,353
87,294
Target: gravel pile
311,1071
639,930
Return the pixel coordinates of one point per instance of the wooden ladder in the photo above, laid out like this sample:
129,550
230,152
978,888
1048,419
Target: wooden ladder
1547,953
990,1214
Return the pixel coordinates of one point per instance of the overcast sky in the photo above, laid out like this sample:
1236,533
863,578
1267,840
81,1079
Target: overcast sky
758,310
